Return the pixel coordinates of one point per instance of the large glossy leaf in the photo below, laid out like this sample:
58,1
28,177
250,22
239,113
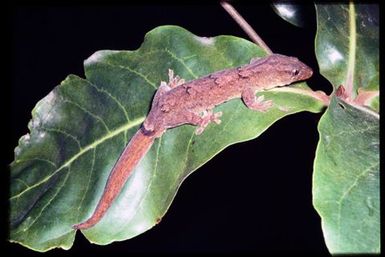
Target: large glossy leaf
78,131
346,190
346,170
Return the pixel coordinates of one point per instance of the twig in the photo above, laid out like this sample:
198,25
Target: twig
245,26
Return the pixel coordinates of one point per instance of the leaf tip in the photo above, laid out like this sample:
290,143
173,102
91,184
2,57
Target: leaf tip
96,57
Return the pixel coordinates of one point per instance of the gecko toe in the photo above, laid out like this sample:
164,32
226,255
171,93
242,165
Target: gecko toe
216,117
199,130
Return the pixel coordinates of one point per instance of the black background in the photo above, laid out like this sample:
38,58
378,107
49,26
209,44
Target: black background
253,197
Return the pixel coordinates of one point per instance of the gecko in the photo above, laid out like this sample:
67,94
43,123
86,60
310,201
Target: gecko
178,102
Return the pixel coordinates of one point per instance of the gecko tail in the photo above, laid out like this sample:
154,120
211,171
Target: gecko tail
138,146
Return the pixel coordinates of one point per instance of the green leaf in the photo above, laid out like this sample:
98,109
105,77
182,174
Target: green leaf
347,46
78,131
346,169
346,179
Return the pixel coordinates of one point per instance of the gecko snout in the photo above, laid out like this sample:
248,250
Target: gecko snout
308,72
305,72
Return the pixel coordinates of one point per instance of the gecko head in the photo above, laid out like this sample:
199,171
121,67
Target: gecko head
283,70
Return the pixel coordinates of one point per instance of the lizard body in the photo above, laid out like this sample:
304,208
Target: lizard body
178,103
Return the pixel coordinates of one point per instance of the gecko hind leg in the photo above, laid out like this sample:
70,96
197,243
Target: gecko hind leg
163,88
204,120
173,81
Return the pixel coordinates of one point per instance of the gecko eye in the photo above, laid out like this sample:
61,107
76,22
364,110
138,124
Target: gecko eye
295,72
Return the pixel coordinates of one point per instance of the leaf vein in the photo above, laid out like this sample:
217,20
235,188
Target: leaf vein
89,180
49,201
189,144
144,77
22,182
89,113
347,192
74,138
36,159
181,61
85,149
103,90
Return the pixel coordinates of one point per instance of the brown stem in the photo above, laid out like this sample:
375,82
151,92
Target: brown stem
245,26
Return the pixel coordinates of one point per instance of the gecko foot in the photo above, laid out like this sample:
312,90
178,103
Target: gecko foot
208,117
199,130
261,105
215,117
174,81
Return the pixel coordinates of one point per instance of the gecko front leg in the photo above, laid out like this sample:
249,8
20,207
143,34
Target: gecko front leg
253,102
174,81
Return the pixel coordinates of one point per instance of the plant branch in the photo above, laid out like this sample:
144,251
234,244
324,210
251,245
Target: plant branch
245,26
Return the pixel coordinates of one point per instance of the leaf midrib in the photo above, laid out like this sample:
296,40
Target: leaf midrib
94,144
349,83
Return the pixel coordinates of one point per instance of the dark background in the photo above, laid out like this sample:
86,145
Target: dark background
253,197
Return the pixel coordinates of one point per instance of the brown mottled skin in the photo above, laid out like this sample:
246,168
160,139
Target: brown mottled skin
178,103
